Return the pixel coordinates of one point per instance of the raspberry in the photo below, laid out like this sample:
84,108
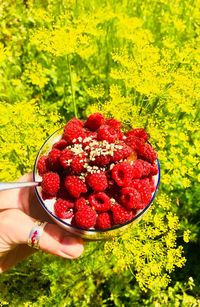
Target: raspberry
104,221
139,133
113,123
121,215
152,184
94,121
108,134
101,160
120,134
130,198
66,158
46,196
146,152
154,170
62,208
146,167
144,188
137,169
85,217
53,159
135,183
73,130
42,165
75,121
63,193
50,183
122,173
75,186
80,202
77,164
97,181
100,201
121,151
60,144
134,142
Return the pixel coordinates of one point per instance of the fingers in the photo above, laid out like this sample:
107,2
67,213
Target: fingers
15,229
24,199
16,255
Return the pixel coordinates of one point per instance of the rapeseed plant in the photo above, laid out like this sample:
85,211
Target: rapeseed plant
138,62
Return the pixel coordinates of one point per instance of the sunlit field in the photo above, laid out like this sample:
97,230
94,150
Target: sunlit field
137,61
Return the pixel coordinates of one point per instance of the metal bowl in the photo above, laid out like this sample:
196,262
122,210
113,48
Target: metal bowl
91,234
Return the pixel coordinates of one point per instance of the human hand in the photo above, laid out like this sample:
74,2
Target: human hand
19,209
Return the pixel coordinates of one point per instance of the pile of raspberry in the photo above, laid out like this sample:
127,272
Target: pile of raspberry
98,175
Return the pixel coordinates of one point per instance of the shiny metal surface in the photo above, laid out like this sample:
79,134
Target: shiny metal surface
16,185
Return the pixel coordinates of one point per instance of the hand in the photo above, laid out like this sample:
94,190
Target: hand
19,209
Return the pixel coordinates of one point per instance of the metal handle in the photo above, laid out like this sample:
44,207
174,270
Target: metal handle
16,185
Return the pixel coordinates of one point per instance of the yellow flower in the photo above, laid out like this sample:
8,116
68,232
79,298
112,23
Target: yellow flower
186,236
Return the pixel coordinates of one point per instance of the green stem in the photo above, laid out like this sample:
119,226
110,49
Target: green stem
72,87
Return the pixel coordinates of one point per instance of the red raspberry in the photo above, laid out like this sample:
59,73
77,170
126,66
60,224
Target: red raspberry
94,121
63,193
152,184
122,173
75,121
133,142
104,221
146,152
100,201
144,188
78,162
122,151
73,130
75,186
154,170
81,202
46,196
137,169
108,134
120,135
130,198
62,144
146,168
121,215
139,133
97,181
62,208
50,183
135,183
101,160
66,158
42,165
113,123
54,159
85,217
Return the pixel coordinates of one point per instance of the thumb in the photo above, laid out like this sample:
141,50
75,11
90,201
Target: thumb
15,228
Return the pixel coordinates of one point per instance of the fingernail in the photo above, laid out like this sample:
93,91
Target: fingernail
72,247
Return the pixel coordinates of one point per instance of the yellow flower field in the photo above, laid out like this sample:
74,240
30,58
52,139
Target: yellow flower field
137,61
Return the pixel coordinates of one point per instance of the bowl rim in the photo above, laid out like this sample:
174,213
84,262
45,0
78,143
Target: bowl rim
136,217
